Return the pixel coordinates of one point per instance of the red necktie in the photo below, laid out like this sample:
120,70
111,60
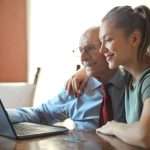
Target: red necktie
106,106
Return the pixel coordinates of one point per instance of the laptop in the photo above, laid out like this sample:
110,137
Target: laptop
25,130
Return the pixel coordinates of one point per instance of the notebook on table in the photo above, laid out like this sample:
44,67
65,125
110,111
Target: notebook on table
25,130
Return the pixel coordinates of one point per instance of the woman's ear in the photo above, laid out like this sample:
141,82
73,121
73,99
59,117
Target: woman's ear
135,39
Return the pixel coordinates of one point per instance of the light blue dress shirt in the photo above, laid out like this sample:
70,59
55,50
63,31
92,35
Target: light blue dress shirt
84,111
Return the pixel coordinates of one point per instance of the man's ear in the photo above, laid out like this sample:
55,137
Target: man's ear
135,39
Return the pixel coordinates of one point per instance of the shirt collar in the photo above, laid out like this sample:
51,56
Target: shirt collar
93,83
117,80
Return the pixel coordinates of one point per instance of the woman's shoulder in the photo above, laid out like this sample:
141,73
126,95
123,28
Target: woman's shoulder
145,75
144,81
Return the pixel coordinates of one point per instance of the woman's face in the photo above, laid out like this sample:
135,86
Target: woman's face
117,47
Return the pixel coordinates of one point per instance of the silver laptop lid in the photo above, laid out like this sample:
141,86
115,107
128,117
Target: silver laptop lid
6,128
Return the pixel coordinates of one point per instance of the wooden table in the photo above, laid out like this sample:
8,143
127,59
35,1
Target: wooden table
75,140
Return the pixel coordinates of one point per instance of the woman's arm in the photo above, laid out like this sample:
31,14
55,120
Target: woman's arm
117,144
137,134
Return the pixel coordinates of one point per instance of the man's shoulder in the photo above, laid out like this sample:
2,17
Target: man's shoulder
119,79
93,83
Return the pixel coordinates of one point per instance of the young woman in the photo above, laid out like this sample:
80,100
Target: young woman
125,38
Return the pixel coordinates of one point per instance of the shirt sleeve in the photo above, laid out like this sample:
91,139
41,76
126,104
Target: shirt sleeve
146,88
51,111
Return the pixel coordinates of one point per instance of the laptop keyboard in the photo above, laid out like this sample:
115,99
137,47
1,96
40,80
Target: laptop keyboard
31,128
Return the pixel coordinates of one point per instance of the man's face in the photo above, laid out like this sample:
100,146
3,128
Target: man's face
93,61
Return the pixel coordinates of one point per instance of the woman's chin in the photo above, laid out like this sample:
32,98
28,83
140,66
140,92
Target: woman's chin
112,66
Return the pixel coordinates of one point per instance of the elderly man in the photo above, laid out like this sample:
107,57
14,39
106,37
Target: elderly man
83,110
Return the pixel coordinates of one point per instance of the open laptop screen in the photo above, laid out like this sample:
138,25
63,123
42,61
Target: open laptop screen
25,130
5,125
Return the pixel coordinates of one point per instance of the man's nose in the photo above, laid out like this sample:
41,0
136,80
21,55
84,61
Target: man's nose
102,48
84,55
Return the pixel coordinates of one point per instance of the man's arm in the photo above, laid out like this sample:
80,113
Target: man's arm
49,112
137,134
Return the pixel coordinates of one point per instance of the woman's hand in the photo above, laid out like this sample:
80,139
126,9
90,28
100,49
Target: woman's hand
107,128
76,84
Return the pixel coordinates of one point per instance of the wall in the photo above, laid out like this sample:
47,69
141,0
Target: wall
55,28
13,43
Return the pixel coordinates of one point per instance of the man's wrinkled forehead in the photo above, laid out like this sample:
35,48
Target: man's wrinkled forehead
89,38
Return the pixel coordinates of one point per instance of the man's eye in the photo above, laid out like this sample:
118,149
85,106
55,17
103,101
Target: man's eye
87,49
108,39
90,48
80,50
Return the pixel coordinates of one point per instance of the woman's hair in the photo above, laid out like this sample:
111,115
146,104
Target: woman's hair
130,20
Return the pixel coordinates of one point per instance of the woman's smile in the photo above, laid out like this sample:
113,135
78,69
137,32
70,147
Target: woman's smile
109,56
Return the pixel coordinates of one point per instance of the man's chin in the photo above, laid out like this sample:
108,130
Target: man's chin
89,72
